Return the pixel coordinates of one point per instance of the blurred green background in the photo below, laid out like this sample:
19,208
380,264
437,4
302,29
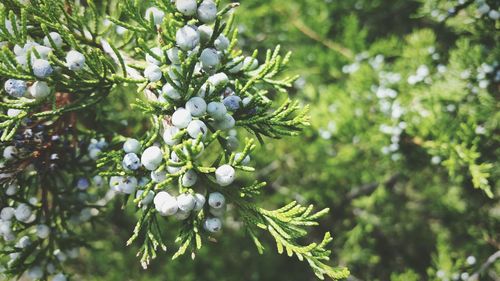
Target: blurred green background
403,147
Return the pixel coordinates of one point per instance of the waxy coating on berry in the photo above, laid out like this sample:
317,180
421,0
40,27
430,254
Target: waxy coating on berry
225,175
151,158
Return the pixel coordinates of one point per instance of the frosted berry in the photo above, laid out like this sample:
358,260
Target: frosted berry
187,38
196,106
153,73
158,176
173,55
165,204
205,32
23,212
250,63
56,38
239,157
227,122
7,213
128,185
157,14
189,178
15,88
169,133
59,277
197,127
207,12
147,199
225,175
181,118
23,242
152,60
131,161
75,60
186,7
217,110
42,68
200,201
169,91
219,79
209,59
221,43
132,146
39,90
186,202
213,225
232,103
151,158
216,200
35,273
42,231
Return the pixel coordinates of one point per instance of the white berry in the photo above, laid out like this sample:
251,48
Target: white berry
151,158
196,106
189,178
187,38
42,68
153,73
250,63
197,127
221,43
39,90
213,224
207,12
239,157
147,199
165,204
205,33
173,55
225,175
217,110
216,200
219,79
59,277
186,202
131,161
181,118
186,7
169,133
226,123
23,212
42,231
169,91
15,88
157,14
152,60
132,146
75,60
7,213
209,59
200,201
56,38
158,176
